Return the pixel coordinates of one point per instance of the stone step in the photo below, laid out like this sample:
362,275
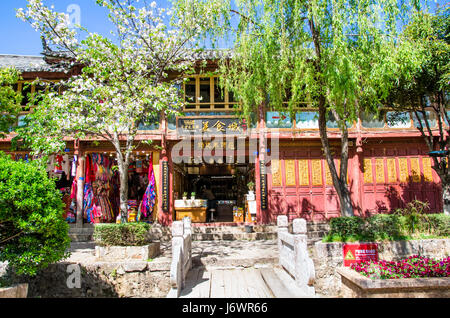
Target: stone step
317,234
81,234
232,229
80,237
234,236
318,226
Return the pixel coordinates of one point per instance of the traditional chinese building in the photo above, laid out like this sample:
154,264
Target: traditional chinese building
279,152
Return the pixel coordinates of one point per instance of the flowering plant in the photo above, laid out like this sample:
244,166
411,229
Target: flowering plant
124,79
414,266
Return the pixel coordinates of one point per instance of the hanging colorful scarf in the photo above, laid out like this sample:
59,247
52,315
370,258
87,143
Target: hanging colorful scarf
88,203
73,192
88,199
149,199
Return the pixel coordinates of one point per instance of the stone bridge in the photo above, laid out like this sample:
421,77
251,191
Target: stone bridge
291,276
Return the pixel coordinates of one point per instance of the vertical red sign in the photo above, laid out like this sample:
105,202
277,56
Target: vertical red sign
354,253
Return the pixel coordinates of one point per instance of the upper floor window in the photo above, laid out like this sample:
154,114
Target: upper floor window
307,120
29,90
370,121
398,119
203,93
278,120
430,118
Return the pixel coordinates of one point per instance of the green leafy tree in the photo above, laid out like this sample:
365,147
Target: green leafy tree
425,95
335,56
9,100
33,233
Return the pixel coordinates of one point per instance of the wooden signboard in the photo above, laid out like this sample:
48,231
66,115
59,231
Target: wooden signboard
165,186
228,125
263,183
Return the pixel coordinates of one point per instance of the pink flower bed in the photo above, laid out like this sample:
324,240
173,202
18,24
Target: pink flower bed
414,266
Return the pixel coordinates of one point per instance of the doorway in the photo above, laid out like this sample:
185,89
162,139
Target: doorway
222,188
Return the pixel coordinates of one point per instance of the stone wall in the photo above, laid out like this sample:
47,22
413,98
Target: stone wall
100,279
328,258
17,291
355,285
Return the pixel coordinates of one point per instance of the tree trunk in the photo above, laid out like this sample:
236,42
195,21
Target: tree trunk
445,181
446,199
123,175
345,201
123,162
339,182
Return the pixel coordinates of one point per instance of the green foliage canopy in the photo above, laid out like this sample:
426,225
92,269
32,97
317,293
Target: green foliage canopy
299,51
33,233
9,99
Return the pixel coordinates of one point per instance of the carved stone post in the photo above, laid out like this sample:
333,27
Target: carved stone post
188,238
282,224
176,270
304,266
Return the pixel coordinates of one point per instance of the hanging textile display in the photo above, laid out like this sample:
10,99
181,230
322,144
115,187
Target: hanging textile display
72,212
99,189
90,209
149,199
103,177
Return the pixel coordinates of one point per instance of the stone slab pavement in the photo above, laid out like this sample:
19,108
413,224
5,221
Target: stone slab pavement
217,254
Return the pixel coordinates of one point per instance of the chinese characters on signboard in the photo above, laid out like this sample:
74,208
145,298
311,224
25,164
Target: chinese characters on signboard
263,178
211,125
165,186
230,145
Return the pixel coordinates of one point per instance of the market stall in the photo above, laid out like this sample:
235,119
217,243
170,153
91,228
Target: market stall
102,189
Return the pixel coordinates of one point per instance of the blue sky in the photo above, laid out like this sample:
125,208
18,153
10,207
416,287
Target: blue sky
18,37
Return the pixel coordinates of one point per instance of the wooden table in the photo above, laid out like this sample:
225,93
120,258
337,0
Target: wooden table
197,215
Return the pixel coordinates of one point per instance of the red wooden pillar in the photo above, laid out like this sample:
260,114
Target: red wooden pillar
259,217
262,215
165,215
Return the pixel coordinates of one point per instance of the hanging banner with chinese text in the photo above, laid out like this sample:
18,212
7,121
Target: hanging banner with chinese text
263,183
165,186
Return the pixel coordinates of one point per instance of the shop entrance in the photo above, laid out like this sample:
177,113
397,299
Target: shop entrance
219,190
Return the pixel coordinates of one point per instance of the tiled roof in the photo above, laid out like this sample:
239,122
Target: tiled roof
208,54
58,61
27,63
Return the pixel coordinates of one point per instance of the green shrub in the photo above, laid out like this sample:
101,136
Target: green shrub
384,227
415,214
33,233
439,224
125,234
346,227
388,227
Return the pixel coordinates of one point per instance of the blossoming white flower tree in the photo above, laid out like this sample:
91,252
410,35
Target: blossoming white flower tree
124,79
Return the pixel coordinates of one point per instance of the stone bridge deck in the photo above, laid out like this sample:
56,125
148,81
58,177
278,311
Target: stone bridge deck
265,282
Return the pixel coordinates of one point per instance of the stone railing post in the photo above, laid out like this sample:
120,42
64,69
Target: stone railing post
282,226
176,269
188,242
304,266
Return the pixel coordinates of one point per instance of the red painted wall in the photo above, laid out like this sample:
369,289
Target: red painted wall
396,174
